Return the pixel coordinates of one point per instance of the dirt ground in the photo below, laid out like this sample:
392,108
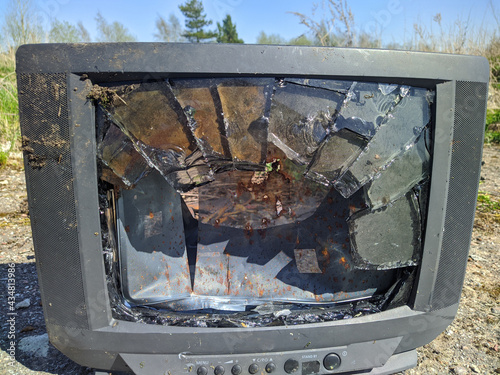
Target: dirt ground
470,345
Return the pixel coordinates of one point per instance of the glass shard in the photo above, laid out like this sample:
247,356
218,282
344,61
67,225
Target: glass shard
301,118
307,261
245,105
389,237
400,176
200,100
387,88
197,173
334,155
118,153
152,248
404,124
365,108
151,117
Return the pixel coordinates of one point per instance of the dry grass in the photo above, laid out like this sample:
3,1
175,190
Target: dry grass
338,27
461,37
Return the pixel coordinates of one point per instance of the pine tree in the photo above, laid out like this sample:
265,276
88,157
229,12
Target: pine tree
227,31
196,22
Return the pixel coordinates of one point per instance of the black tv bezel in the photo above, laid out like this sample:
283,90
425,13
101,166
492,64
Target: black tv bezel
110,344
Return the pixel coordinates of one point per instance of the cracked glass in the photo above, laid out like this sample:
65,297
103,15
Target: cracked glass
238,193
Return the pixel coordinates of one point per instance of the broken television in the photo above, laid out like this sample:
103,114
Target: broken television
240,199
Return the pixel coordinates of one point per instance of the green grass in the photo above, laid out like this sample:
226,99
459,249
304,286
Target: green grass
492,137
487,203
487,211
9,110
492,117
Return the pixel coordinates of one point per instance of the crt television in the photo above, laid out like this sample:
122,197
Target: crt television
247,209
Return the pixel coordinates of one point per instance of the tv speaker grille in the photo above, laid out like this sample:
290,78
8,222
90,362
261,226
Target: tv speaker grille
468,129
44,117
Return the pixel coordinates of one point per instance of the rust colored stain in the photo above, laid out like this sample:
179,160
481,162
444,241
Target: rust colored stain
151,215
344,263
248,231
326,254
318,298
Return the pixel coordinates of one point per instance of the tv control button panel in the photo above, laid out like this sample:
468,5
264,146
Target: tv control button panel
333,360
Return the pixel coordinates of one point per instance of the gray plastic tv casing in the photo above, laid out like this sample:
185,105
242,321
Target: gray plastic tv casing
53,82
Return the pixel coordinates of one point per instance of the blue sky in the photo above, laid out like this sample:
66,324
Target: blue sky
395,18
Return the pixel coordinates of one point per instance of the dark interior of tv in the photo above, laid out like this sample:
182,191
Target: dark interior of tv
249,209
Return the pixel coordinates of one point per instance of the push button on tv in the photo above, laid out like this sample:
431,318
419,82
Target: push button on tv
270,367
254,367
331,361
202,371
291,365
219,370
236,370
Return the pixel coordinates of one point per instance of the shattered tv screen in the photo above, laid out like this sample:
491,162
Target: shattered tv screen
261,201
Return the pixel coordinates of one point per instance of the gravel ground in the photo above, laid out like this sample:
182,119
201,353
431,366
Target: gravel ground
470,345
